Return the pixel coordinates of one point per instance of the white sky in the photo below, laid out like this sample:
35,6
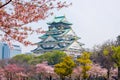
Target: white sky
95,21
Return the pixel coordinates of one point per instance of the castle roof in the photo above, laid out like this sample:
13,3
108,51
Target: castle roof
59,36
59,19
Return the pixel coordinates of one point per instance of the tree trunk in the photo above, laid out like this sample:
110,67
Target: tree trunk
50,78
118,73
108,74
70,78
62,78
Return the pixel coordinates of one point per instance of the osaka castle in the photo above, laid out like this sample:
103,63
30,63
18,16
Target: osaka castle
59,36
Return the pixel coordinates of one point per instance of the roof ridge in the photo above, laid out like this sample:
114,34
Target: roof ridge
59,17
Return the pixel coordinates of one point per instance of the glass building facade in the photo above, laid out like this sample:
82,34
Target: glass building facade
15,51
6,52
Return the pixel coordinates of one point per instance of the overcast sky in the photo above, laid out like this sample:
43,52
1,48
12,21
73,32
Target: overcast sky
95,21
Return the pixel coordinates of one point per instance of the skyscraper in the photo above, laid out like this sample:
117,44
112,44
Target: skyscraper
15,50
6,52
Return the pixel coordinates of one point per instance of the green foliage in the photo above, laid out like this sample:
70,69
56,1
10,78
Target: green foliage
116,55
23,58
85,62
107,57
116,58
52,58
106,52
65,68
35,61
84,59
55,57
103,56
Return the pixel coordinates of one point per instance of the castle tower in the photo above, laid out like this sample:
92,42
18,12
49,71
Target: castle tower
59,36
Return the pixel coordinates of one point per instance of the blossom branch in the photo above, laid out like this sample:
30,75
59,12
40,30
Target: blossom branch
5,4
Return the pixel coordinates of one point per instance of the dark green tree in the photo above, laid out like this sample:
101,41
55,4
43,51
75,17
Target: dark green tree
22,58
52,57
56,57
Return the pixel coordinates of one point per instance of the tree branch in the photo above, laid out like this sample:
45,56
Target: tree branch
5,4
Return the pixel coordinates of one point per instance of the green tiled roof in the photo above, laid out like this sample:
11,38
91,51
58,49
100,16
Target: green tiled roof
54,35
59,19
43,36
66,31
56,42
49,49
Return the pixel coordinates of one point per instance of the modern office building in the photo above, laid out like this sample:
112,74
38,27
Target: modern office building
6,52
59,36
15,50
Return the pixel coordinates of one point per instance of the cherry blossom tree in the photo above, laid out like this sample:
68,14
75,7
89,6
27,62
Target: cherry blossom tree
11,70
97,70
43,70
114,73
16,14
77,73
2,74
